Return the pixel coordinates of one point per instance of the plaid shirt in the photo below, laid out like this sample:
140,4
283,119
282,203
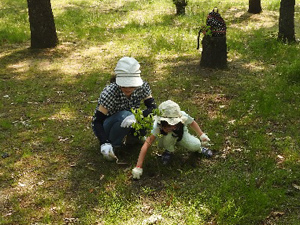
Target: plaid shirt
113,99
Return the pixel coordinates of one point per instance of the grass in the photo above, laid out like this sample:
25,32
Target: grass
54,172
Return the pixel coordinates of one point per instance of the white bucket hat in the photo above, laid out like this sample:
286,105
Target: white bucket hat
128,73
170,112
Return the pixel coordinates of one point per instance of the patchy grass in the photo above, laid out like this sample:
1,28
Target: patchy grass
51,170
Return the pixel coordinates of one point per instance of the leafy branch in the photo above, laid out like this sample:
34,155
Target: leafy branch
206,30
144,124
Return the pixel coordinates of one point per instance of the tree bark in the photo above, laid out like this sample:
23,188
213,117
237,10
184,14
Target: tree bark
180,6
254,6
180,10
214,52
286,21
42,25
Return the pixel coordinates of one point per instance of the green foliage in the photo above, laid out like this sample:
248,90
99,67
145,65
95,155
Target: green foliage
206,30
143,123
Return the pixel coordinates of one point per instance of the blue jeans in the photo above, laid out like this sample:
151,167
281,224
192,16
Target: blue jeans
113,129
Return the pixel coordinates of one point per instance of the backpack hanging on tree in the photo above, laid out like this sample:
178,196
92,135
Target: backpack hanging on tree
215,26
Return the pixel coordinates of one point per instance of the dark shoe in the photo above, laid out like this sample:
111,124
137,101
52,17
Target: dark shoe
166,157
206,152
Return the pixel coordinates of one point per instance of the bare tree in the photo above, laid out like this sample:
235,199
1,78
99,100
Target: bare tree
286,21
42,26
254,6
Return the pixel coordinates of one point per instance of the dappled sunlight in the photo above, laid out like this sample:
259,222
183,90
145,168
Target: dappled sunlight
94,51
21,68
266,19
234,56
99,57
213,104
149,19
6,53
74,63
161,71
31,187
255,66
85,60
248,21
71,66
29,180
26,69
63,114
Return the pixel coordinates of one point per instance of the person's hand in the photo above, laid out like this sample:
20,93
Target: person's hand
128,121
204,137
205,140
107,151
137,172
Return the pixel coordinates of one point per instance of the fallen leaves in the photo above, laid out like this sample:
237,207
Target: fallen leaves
280,159
296,186
275,214
153,219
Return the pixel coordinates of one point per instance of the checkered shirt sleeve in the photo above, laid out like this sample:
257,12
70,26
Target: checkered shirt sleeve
113,99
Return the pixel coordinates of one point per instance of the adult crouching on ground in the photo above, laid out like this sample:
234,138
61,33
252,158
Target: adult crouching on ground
113,118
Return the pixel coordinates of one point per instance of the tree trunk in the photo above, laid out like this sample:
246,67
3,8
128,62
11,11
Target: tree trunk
180,6
42,26
286,21
254,6
180,10
214,52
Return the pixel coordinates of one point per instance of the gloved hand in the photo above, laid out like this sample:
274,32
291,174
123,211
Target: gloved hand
137,172
108,152
205,140
128,121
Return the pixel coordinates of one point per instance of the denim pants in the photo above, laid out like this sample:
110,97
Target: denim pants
113,129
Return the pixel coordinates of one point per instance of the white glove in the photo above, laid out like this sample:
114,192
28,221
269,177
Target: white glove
108,152
137,172
204,137
205,140
128,121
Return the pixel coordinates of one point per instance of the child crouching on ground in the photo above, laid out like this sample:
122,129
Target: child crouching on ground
170,128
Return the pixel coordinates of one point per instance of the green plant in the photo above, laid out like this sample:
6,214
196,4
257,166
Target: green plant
144,124
205,30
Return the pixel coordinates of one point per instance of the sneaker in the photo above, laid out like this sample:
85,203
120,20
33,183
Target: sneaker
206,152
166,157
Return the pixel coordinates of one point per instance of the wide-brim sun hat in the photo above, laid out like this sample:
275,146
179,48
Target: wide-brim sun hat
170,112
128,73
